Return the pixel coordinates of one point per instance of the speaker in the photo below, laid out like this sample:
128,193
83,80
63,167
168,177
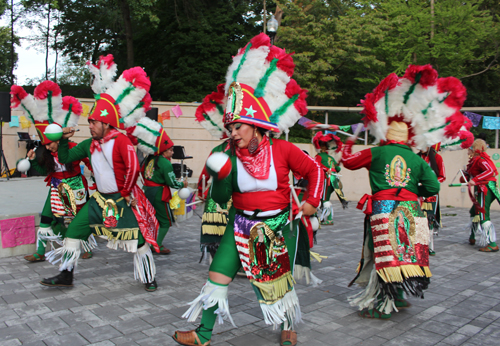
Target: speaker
152,114
5,107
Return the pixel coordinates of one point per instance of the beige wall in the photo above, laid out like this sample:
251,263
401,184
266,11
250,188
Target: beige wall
198,143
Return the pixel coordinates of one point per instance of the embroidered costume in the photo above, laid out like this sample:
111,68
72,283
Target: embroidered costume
116,169
430,205
323,143
259,92
418,110
482,171
158,173
68,187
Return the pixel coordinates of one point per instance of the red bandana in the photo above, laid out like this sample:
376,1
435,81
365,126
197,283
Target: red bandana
96,144
258,164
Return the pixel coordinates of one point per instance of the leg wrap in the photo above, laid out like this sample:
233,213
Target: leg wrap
68,254
487,234
45,234
210,296
144,264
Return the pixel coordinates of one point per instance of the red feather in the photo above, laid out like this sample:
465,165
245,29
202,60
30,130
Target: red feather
17,94
138,77
369,109
456,90
456,121
147,102
107,60
388,83
428,76
132,138
68,101
221,87
199,112
469,139
292,89
257,41
42,90
285,61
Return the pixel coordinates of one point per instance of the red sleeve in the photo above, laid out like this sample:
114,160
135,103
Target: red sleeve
487,173
358,160
442,174
308,168
126,153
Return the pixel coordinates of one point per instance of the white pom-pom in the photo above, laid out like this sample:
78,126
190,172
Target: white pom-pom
184,193
327,205
219,165
53,132
314,223
23,165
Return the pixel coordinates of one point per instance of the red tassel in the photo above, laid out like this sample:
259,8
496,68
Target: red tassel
76,106
138,77
17,94
42,90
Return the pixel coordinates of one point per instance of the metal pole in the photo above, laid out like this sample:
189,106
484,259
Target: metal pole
265,17
326,117
496,133
366,136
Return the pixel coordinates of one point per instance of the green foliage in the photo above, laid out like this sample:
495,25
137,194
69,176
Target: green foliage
5,55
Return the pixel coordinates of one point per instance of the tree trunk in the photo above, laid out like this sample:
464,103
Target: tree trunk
127,24
12,63
47,44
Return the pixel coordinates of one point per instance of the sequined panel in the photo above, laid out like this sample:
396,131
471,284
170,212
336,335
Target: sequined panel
383,207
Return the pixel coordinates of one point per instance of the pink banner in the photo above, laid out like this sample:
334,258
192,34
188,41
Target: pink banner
18,231
177,111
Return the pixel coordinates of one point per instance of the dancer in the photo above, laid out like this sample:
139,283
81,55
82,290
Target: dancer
481,174
430,205
158,173
68,187
261,98
214,220
395,255
118,210
323,143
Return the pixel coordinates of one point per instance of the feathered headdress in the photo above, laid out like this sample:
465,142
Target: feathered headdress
259,88
46,107
429,105
211,111
123,102
332,141
151,137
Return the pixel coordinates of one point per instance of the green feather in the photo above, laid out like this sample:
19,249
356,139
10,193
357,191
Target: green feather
156,133
49,106
412,88
66,119
124,93
211,121
242,61
259,91
279,112
139,105
424,112
460,141
147,144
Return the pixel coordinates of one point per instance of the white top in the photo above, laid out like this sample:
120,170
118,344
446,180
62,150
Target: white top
102,165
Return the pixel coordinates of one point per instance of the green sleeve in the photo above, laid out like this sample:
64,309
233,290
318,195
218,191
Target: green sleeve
336,165
81,151
222,190
429,183
167,171
34,163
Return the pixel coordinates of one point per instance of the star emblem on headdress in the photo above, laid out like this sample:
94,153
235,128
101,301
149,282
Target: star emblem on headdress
250,111
104,113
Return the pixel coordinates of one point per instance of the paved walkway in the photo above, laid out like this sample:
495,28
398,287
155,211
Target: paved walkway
107,307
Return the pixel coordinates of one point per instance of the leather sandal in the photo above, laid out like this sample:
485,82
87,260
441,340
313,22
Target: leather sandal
188,338
289,337
489,248
87,255
472,241
35,258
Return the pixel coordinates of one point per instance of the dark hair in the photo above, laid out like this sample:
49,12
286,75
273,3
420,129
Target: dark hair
149,158
432,160
46,160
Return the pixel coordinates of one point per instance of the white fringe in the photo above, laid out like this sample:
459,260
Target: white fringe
326,211
210,296
68,254
46,234
300,272
278,312
484,232
89,244
127,245
368,297
144,264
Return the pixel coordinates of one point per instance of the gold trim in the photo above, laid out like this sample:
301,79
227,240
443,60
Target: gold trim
274,290
122,234
71,196
398,274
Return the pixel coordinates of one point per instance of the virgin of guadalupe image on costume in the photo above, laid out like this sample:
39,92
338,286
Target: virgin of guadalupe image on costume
397,174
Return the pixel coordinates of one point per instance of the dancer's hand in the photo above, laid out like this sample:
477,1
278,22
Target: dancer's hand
131,201
471,182
31,154
68,132
185,182
307,209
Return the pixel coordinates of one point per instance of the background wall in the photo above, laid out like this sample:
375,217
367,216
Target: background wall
198,143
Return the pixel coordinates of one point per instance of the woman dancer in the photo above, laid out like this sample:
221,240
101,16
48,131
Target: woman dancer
258,235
